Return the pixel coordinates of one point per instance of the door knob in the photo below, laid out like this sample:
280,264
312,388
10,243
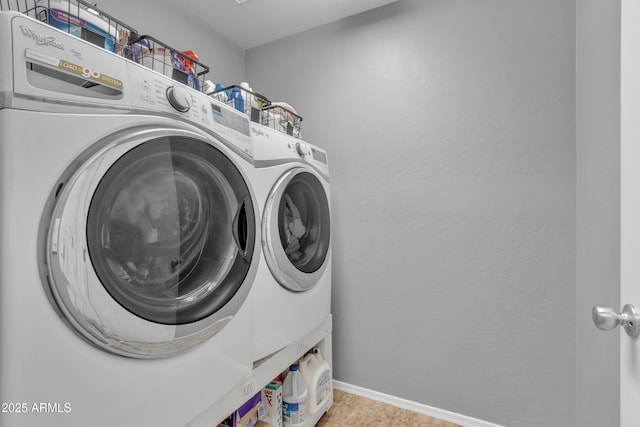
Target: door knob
606,318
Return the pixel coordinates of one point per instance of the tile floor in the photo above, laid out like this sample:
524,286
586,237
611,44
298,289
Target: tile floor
349,410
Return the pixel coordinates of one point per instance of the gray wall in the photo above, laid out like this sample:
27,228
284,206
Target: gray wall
458,117
450,126
598,202
169,22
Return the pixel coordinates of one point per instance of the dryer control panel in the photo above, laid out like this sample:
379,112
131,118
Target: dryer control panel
271,146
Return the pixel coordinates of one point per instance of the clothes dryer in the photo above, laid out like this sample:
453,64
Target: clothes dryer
129,236
293,287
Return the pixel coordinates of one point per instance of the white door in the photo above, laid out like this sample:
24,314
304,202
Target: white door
607,318
630,206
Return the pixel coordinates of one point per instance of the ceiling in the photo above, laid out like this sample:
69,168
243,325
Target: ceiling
255,22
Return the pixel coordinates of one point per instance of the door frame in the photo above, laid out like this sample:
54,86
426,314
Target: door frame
629,204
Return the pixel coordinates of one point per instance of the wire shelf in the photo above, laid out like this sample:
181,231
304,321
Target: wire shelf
84,20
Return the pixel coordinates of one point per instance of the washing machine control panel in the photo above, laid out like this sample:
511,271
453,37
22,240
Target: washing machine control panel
179,98
154,92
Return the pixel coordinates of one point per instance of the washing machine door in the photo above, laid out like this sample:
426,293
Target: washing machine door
296,229
150,242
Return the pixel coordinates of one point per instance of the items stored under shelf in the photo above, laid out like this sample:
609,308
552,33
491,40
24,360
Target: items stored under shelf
268,368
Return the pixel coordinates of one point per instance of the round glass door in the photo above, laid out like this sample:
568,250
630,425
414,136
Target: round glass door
297,230
163,230
150,234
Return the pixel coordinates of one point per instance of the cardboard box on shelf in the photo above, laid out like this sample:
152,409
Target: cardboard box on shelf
272,404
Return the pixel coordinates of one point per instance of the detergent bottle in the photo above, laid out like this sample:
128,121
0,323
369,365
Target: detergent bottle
295,398
238,100
325,383
246,96
317,374
222,95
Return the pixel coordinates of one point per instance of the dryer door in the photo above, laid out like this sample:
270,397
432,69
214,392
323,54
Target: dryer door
150,243
296,229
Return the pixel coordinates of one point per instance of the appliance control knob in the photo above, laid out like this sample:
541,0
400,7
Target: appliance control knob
179,98
301,148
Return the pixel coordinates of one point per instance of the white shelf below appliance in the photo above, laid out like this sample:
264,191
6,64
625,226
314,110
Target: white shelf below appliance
265,370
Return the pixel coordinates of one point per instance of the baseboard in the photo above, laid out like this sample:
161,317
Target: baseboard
413,406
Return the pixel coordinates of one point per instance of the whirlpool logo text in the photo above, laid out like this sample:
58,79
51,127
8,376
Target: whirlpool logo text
40,39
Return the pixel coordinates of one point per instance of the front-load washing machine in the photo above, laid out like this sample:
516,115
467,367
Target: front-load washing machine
129,238
293,287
